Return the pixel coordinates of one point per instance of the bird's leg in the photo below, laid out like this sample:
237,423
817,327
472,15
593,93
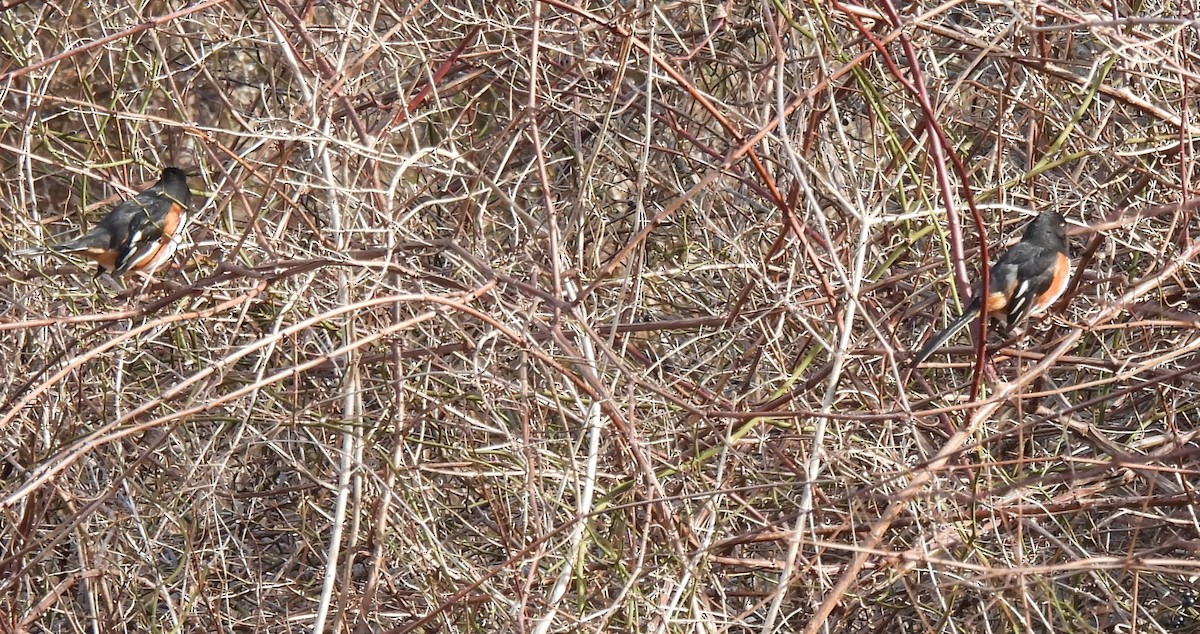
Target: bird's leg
147,279
104,280
1014,333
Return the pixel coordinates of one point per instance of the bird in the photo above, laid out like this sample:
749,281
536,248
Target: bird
1025,281
139,234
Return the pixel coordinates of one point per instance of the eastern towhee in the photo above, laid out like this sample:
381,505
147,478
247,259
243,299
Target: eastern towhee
1025,281
139,234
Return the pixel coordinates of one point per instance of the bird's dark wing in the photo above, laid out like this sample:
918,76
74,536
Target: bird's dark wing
1034,266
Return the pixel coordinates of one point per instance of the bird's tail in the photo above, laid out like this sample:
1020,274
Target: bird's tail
24,253
66,247
942,337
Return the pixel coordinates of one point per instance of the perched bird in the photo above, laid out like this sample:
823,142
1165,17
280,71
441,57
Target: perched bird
139,234
1026,280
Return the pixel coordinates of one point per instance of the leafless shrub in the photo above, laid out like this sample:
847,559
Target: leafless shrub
512,317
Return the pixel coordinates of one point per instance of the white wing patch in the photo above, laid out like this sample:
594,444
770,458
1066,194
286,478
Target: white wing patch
1019,300
134,254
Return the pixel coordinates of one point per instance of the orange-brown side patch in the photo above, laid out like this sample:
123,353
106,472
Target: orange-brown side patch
997,299
1059,284
106,258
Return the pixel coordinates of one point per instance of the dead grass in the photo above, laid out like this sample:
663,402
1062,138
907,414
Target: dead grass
513,318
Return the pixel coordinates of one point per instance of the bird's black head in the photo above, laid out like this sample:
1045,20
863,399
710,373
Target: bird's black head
174,184
174,175
1049,229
